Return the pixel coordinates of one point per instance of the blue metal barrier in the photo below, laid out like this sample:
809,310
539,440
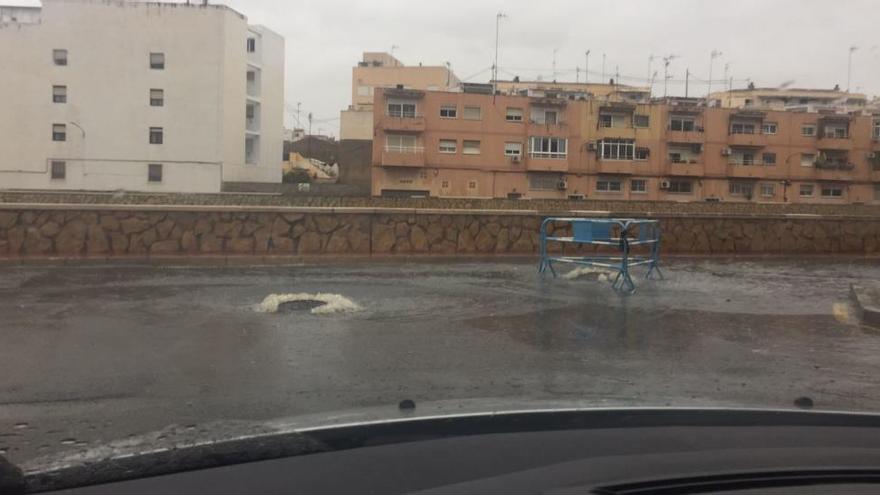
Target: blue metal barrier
620,234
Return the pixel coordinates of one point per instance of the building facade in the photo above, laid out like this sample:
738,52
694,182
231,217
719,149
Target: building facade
500,146
801,100
382,70
113,95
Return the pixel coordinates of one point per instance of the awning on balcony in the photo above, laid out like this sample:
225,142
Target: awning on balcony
747,115
617,107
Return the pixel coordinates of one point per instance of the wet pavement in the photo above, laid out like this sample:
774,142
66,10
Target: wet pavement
92,354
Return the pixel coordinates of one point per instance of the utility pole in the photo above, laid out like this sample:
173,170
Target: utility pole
309,145
587,68
852,50
603,69
715,54
651,83
650,62
298,122
577,75
616,75
498,18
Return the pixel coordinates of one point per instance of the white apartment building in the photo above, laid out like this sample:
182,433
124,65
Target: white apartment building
105,95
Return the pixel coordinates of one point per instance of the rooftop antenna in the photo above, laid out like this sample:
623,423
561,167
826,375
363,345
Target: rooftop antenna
712,56
666,61
852,50
393,47
498,18
448,73
726,70
603,69
651,82
554,63
587,67
651,59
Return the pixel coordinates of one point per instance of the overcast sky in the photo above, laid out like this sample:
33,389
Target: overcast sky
770,42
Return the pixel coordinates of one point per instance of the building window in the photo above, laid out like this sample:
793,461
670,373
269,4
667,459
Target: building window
543,182
609,185
59,94
740,189
681,187
642,153
679,124
808,160
551,117
157,98
638,186
448,146
876,132
59,132
444,184
448,112
472,184
514,114
154,172
748,102
402,110
769,159
808,130
742,128
876,192
401,143
606,120
59,170
364,90
829,191
470,147
768,190
806,190
548,147
617,149
59,56
157,61
472,113
641,121
769,128
251,45
743,159
836,132
513,149
156,135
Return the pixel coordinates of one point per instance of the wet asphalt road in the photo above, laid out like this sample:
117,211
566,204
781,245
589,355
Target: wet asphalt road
92,354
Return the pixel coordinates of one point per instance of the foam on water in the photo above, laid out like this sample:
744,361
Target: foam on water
602,275
333,303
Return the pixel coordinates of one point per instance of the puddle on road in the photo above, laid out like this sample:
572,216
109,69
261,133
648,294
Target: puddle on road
316,304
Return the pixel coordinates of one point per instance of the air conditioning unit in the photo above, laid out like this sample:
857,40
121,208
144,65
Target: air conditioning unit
562,185
515,159
726,152
664,184
591,146
872,156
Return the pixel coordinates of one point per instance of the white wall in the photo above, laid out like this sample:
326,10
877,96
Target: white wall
108,81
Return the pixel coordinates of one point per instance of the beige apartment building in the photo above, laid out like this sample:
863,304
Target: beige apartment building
382,70
105,95
800,100
500,146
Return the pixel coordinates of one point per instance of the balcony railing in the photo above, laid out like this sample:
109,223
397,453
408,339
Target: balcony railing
403,156
405,122
834,165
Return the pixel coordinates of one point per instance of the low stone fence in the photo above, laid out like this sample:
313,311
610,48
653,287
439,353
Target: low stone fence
68,231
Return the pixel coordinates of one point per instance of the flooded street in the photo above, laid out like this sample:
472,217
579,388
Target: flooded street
93,354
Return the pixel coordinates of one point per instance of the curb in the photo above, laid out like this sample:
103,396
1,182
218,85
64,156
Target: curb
867,305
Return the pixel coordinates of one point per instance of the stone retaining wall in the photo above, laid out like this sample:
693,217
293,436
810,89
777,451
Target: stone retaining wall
102,231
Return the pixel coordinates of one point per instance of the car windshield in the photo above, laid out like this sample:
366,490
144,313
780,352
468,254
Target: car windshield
252,216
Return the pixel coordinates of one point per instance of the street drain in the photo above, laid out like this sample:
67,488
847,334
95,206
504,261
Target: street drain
316,304
297,306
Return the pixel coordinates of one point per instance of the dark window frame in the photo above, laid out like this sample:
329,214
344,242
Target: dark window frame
157,65
154,172
157,102
157,131
58,170
59,136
